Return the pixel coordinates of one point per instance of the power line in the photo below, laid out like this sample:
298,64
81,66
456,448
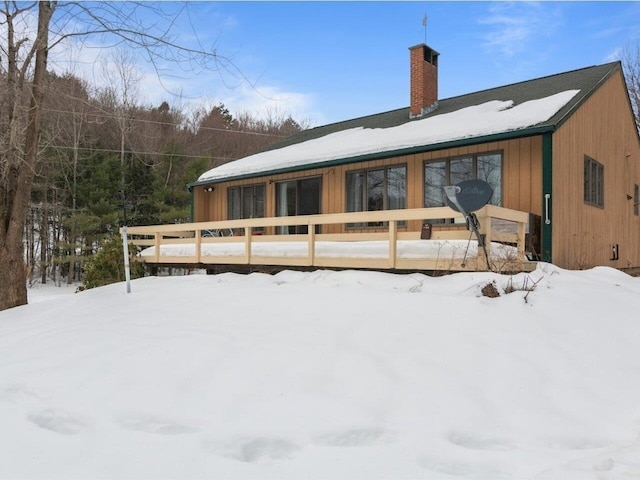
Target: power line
135,152
157,122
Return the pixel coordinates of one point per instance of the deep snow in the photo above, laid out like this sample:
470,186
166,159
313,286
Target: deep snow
332,375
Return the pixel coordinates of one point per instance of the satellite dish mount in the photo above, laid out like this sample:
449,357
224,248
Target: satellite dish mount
466,197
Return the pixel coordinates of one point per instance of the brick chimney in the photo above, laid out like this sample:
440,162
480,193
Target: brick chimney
424,80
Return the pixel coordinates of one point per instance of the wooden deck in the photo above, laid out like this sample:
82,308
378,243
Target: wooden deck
186,244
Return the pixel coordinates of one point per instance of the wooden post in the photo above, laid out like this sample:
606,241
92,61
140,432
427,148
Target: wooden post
247,245
198,234
521,240
311,249
158,236
393,243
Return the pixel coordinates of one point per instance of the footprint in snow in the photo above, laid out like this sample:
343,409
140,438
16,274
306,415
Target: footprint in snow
477,442
255,450
58,421
156,425
357,437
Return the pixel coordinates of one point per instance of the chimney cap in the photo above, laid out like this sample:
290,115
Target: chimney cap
425,46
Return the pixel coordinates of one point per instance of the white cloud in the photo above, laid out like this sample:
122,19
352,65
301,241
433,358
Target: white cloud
193,91
615,55
187,89
265,101
513,26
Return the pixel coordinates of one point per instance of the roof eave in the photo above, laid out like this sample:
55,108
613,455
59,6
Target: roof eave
464,142
584,96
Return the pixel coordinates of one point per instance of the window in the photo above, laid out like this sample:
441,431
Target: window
440,173
636,200
298,197
593,182
377,189
246,201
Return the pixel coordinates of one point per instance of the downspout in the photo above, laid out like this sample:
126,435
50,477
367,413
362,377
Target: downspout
547,198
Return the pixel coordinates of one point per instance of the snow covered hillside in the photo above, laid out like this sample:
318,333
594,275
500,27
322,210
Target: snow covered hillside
326,375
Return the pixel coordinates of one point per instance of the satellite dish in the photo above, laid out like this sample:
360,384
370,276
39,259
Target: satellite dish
468,195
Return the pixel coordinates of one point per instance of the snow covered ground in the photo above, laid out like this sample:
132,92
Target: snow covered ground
326,375
39,292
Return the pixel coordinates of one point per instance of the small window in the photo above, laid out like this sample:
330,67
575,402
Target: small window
593,182
636,200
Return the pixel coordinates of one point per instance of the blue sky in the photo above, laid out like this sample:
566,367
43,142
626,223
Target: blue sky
331,61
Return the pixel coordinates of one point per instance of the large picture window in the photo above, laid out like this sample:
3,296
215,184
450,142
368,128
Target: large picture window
451,171
246,201
377,189
593,182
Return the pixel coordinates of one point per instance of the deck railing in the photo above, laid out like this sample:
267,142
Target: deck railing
497,224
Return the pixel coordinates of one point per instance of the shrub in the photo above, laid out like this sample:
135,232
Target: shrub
107,264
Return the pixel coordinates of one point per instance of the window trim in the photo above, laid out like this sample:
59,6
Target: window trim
588,183
385,191
636,199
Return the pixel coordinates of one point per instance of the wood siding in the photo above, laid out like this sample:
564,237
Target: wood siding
602,128
521,181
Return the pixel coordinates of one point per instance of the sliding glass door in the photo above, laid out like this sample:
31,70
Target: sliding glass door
297,197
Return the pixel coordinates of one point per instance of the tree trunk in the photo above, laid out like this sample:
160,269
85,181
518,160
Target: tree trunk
13,280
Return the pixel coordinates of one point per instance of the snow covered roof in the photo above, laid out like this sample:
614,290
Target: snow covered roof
543,102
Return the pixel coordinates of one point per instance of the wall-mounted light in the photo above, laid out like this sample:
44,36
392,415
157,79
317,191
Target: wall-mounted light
615,252
209,189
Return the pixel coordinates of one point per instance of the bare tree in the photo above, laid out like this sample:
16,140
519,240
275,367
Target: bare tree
23,71
18,162
123,80
631,67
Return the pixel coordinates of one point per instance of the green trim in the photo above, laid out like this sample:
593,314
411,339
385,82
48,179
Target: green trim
191,214
526,132
547,189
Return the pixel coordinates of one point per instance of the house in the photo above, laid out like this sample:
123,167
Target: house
564,149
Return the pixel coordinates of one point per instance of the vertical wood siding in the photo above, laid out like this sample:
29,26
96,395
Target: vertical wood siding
522,181
602,128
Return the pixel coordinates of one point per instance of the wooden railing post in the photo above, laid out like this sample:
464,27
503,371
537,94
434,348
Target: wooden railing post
198,234
247,245
393,243
311,250
522,235
157,238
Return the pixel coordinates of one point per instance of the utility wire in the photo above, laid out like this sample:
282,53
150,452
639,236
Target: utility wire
136,152
157,122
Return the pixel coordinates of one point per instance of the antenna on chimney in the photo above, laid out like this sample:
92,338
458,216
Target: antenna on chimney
424,24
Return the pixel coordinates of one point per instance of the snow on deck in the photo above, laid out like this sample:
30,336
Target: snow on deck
485,119
413,249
